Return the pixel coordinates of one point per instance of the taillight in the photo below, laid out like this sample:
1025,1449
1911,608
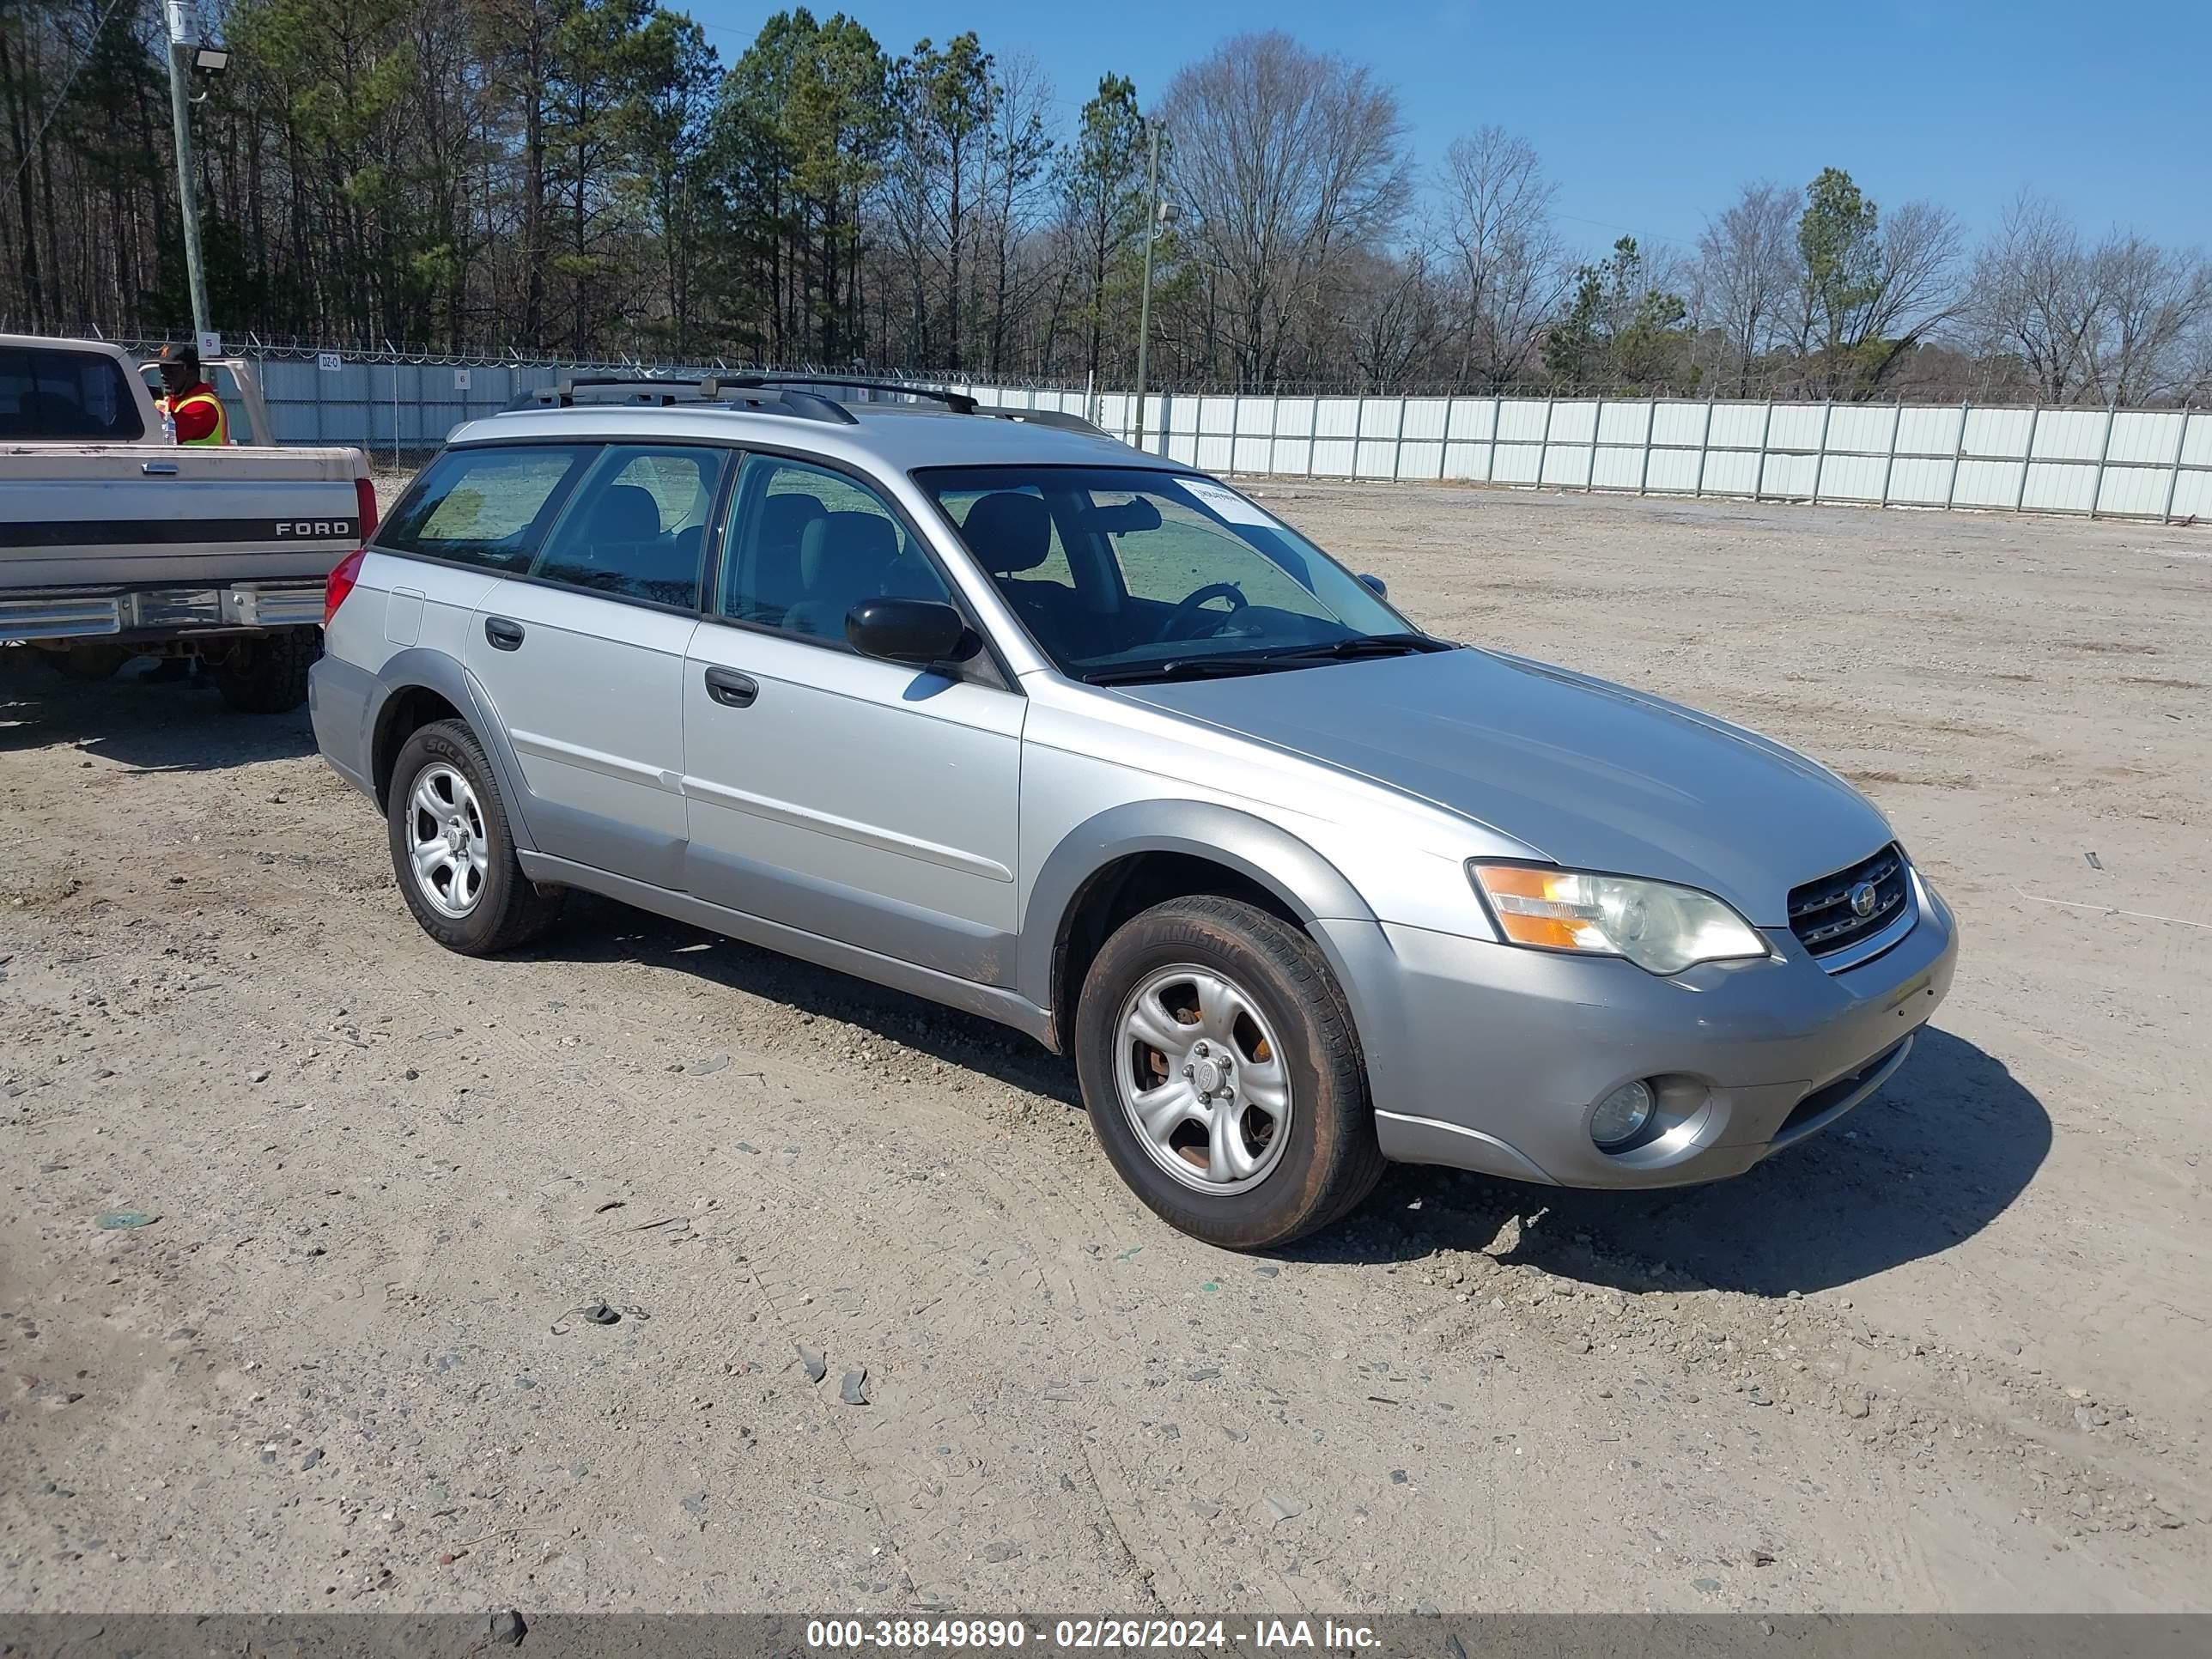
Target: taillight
340,581
364,507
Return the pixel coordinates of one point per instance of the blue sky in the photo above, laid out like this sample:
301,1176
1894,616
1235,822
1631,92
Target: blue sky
1649,117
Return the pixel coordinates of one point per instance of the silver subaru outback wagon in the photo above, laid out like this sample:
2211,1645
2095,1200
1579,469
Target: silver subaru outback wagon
989,708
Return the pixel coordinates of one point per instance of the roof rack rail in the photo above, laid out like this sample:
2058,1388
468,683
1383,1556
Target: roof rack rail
959,403
1044,417
655,391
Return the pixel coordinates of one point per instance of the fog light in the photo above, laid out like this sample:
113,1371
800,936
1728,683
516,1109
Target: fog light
1621,1115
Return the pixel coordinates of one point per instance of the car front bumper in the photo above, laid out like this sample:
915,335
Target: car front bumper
1486,1056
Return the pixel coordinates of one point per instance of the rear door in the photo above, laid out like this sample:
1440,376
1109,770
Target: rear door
583,658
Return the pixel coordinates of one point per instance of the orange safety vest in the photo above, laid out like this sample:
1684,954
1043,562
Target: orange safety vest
219,434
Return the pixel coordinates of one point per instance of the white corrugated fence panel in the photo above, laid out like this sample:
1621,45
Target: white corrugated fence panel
1618,466
1473,417
2197,446
1574,420
1336,417
1926,431
1739,426
1853,477
2060,486
1986,482
1521,420
1425,417
1678,423
1860,427
2145,435
2069,435
1624,423
2136,491
1731,472
1998,433
1674,471
1796,426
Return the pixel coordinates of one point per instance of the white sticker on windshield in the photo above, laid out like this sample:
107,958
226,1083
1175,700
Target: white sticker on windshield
1226,502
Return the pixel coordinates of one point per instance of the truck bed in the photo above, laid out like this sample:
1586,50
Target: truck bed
75,516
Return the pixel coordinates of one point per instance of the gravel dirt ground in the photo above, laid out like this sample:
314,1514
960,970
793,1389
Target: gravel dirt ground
1950,1356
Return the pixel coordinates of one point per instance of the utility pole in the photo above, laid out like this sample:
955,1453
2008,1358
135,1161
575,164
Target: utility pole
1144,305
184,40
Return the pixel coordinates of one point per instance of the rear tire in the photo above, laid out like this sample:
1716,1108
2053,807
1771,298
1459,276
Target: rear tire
268,674
1283,1143
453,852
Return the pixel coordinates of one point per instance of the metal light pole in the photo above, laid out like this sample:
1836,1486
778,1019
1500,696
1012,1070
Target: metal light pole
1144,305
184,31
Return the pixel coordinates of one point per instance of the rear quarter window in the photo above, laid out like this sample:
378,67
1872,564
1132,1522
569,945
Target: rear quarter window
488,507
67,395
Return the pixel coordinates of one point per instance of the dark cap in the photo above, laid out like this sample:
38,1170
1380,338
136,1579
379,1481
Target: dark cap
182,353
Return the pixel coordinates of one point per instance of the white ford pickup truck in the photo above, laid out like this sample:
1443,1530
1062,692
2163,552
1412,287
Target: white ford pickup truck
115,543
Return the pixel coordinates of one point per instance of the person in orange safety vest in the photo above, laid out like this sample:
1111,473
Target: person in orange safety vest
191,403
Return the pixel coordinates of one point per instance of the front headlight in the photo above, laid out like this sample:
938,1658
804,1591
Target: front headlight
1655,924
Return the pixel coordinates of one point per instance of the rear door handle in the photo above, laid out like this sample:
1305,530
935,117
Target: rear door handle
731,688
158,469
504,636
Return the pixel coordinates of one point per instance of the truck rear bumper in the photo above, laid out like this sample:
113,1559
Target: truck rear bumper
160,612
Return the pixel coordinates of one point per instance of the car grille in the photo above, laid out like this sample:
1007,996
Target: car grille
1824,916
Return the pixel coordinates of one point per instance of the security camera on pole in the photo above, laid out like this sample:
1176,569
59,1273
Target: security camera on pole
189,54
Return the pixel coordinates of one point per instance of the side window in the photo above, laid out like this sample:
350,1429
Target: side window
488,507
637,524
807,544
78,395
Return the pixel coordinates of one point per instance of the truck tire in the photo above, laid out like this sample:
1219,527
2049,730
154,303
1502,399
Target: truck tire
1223,1075
268,674
88,663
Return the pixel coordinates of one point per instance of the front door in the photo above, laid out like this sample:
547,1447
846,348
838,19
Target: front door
864,801
583,659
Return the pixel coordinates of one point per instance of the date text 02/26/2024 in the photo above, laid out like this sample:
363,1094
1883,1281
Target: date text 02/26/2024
1090,1635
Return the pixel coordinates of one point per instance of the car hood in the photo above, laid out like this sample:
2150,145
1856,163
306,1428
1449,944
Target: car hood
1590,774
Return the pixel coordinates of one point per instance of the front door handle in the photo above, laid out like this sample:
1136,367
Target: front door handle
731,688
158,469
504,636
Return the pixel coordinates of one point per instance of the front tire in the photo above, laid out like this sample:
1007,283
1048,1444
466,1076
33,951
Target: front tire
452,850
1223,1075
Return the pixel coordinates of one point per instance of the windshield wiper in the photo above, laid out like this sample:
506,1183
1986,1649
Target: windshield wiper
1221,664
1361,645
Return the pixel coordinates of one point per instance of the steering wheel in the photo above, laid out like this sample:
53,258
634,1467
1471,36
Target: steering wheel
1180,619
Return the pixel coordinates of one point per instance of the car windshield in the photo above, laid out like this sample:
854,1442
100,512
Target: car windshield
1127,573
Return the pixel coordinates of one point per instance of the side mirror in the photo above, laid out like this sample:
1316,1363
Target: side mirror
916,631
1381,588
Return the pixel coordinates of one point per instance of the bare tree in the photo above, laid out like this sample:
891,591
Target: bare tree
2038,297
1393,319
1281,157
1510,268
2154,302
1746,274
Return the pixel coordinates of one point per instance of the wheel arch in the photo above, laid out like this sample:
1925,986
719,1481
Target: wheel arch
421,686
1155,850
